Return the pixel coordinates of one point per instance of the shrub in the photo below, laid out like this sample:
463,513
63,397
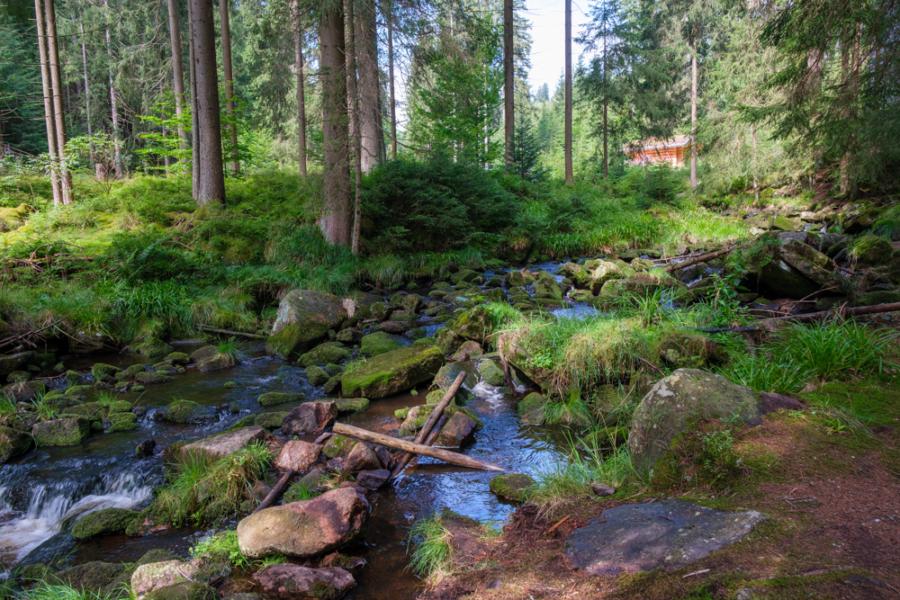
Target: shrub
222,546
147,255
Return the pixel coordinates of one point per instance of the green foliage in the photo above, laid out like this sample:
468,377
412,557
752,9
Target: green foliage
148,255
46,590
431,550
718,461
44,409
222,546
7,406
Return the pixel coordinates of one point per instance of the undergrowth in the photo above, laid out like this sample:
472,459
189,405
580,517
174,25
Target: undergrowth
429,548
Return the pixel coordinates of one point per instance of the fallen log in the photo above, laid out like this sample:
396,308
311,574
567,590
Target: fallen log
698,259
433,418
245,334
842,311
429,441
276,491
448,456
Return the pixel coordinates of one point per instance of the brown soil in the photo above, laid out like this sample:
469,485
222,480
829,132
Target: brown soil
833,532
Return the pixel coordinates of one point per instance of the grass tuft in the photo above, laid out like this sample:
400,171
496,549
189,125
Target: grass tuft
431,551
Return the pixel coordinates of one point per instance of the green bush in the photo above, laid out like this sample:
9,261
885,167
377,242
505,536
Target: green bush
147,255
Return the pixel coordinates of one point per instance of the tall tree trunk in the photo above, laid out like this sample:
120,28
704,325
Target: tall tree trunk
49,121
177,70
605,102
353,111
335,220
694,114
850,64
388,8
195,129
301,93
118,167
224,20
567,135
509,84
210,186
65,180
87,90
371,134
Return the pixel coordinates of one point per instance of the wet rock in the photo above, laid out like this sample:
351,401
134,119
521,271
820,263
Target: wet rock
373,479
327,352
270,420
228,442
181,411
317,375
531,409
295,582
351,405
513,487
413,417
467,350
177,358
361,458
276,398
457,431
122,421
104,372
304,318
678,402
668,534
96,576
150,577
378,342
392,372
152,377
103,522
65,431
306,528
638,284
337,445
406,301
396,327
209,358
448,374
546,287
23,391
309,418
13,443
145,449
491,373
185,590
13,362
297,456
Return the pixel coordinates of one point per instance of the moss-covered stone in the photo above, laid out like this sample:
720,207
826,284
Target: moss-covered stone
391,372
513,487
103,578
270,420
104,371
304,317
317,375
871,250
152,377
532,408
351,405
378,343
122,421
181,411
337,445
65,431
276,398
177,358
103,522
13,443
327,352
490,372
185,590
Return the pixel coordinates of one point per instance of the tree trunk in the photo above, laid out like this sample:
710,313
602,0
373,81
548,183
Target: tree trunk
195,137
567,135
234,164
371,135
87,90
388,9
301,92
65,180
177,70
49,121
211,178
605,102
335,220
509,78
353,110
694,115
118,167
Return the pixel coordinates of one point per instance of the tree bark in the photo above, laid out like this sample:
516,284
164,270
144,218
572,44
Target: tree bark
49,121
567,135
605,100
177,70
371,133
509,85
335,220
353,110
694,115
211,177
87,90
301,91
65,180
389,16
195,137
228,71
118,167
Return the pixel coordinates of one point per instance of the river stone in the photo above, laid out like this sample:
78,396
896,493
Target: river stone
13,443
305,528
298,456
668,534
296,582
13,362
122,421
102,522
24,391
104,372
228,442
181,411
392,372
185,590
378,342
490,373
309,417
275,398
545,286
351,405
150,577
361,458
532,409
304,317
270,420
678,402
513,487
372,479
96,576
65,431
457,431
327,352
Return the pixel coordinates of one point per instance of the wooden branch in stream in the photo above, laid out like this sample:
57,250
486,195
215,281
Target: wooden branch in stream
843,311
254,336
276,490
698,259
433,418
448,456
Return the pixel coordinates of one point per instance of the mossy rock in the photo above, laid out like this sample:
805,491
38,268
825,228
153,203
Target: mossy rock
276,398
131,371
304,318
317,375
328,352
491,373
270,420
122,421
546,287
64,431
185,590
13,443
79,392
152,377
871,250
119,406
90,410
177,358
689,350
104,372
103,522
337,445
181,412
378,343
532,408
106,579
391,372
414,420
512,487
332,385
351,405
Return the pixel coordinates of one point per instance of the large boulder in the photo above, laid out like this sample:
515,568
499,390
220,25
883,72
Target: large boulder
13,443
228,442
150,579
309,418
304,318
323,354
103,522
295,582
680,401
392,372
305,528
378,342
65,431
788,267
298,456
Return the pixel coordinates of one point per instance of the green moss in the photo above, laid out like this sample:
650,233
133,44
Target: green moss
276,398
328,352
378,343
871,250
102,522
391,372
514,487
872,401
122,421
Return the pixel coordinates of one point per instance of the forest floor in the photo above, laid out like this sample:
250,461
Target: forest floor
832,528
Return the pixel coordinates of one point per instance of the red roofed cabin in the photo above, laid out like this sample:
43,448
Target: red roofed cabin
652,151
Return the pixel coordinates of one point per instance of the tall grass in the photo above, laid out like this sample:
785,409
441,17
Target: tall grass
430,552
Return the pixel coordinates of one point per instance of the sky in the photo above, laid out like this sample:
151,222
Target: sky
547,19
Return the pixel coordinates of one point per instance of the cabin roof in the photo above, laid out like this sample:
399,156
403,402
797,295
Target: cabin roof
676,141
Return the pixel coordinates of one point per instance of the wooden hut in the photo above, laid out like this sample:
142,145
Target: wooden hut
654,151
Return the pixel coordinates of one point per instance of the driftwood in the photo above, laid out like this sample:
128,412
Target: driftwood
454,458
254,336
698,259
24,336
276,490
429,425
429,441
843,311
